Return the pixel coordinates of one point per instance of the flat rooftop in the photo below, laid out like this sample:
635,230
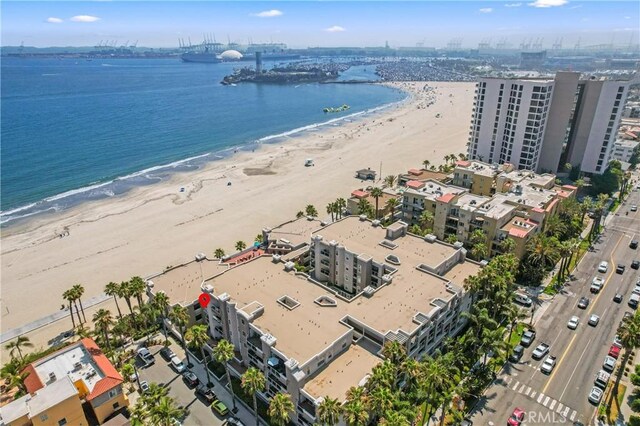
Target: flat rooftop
296,232
52,395
182,283
346,370
75,362
497,207
519,227
477,167
434,189
470,201
423,175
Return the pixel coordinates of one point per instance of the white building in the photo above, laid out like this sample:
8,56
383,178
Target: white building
623,149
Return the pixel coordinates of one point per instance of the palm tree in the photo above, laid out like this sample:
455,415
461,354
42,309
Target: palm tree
331,207
310,210
364,206
426,164
113,289
78,289
198,336
391,205
219,253
328,412
127,370
165,412
280,408
138,288
161,302
259,238
240,245
355,413
390,181
253,381
223,353
391,418
342,204
180,317
125,293
376,193
451,239
381,400
394,352
542,251
299,214
426,219
69,297
103,319
629,335
17,345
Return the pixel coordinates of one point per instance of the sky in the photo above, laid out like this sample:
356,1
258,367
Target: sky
320,23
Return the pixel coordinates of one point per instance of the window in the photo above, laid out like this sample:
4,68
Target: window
44,417
113,393
116,405
62,422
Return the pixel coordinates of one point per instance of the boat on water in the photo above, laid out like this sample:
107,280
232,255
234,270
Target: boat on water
336,109
201,57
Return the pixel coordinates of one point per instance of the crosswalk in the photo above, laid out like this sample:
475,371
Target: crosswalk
542,399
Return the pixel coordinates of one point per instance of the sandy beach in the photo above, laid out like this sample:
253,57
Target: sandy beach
152,227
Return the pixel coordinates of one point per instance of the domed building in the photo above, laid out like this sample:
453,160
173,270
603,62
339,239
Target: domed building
231,55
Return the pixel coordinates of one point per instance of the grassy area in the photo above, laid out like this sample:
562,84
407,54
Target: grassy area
553,286
611,411
517,334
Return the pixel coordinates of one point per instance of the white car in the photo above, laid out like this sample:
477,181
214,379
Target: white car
548,364
594,319
604,265
595,395
596,284
609,363
634,208
177,364
573,322
144,386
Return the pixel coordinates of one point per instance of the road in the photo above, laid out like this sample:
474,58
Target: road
561,397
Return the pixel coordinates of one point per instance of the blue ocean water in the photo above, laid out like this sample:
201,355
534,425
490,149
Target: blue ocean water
75,130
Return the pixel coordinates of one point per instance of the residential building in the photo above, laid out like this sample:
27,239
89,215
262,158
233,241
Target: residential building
61,382
623,150
360,194
423,196
541,124
315,335
366,174
422,175
478,177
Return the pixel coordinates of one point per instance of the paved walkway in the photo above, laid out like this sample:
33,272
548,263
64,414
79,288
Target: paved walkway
34,325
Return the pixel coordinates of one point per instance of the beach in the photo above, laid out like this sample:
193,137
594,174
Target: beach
152,227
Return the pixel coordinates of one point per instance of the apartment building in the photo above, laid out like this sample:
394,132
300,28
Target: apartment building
60,383
365,194
623,150
541,124
320,333
421,175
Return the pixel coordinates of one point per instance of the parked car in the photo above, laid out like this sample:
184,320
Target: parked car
540,351
594,320
603,266
617,341
609,363
527,338
190,379
634,208
573,322
620,269
595,396
146,357
516,417
522,299
167,354
236,422
635,264
614,351
548,364
596,284
219,407
144,386
517,353
177,365
634,300
583,303
633,244
602,379
206,393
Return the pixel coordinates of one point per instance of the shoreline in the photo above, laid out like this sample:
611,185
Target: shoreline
152,227
122,185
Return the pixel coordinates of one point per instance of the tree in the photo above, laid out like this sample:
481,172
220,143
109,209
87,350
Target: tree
253,381
219,253
394,352
223,353
17,345
240,245
69,297
310,210
103,320
415,229
299,214
328,411
391,205
426,219
451,239
635,156
355,413
280,408
161,302
426,164
381,400
390,181
165,412
543,251
609,181
341,204
113,289
180,317
78,289
198,336
478,243
376,193
138,288
125,293
629,335
365,207
392,418
331,208
259,238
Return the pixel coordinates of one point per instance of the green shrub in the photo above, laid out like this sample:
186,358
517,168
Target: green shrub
634,420
635,405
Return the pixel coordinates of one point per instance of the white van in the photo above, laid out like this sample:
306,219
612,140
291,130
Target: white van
634,300
602,378
604,265
177,364
522,299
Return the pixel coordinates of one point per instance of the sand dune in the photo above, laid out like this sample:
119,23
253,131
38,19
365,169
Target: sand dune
153,227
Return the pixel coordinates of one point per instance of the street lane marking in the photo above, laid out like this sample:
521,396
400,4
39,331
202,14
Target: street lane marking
546,401
528,390
560,407
533,394
575,368
565,412
521,388
540,398
515,386
553,404
593,304
573,415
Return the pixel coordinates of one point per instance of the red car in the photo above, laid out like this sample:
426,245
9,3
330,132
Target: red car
516,418
614,351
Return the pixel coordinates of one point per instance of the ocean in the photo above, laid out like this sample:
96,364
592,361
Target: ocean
75,130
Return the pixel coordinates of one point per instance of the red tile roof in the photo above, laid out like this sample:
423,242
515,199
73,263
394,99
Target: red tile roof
415,184
551,205
32,381
112,377
463,163
415,171
359,194
446,198
518,233
537,210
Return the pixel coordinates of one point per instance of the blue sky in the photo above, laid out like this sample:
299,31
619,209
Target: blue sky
320,23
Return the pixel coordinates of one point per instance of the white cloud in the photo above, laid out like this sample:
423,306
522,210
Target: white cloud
627,17
513,5
84,18
335,29
486,10
269,13
54,20
548,3
617,30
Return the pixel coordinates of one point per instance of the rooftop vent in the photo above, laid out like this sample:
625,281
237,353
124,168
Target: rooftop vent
430,238
52,377
77,366
275,258
288,302
289,266
326,301
200,256
386,279
368,291
363,217
375,223
393,259
388,244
